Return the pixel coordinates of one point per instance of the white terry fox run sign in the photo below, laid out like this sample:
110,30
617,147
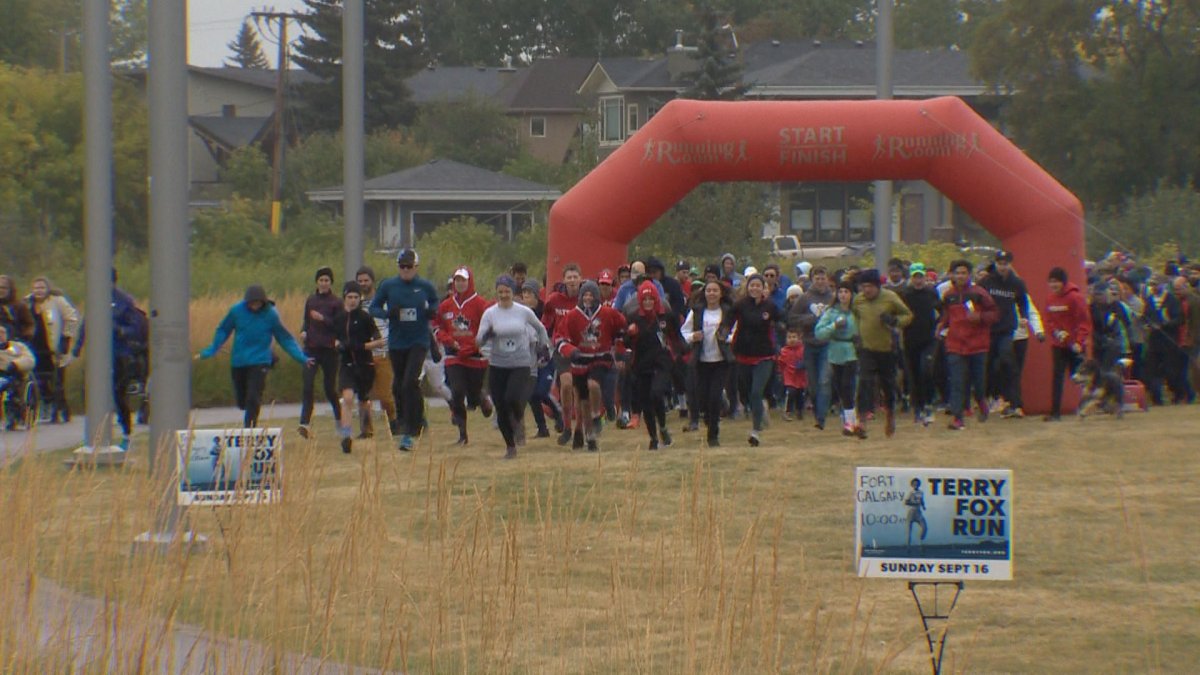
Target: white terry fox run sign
933,524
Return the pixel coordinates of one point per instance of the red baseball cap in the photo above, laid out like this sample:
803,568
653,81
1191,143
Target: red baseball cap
606,277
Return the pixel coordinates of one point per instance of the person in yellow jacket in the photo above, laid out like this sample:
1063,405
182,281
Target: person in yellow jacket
880,313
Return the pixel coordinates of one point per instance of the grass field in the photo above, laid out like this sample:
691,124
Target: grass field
685,560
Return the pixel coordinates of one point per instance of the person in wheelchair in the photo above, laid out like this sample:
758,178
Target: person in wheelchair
16,364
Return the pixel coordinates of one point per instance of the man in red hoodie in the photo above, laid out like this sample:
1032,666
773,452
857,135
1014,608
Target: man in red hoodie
558,305
1069,325
585,337
968,312
457,322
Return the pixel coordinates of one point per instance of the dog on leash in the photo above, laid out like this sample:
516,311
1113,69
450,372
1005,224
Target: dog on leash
1103,389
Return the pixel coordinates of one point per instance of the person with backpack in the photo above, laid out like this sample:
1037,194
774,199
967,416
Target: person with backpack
130,354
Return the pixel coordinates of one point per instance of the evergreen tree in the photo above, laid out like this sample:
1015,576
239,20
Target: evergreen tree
392,51
719,76
247,50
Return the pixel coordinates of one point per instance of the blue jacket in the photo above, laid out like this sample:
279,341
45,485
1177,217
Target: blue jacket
408,306
252,336
130,328
628,291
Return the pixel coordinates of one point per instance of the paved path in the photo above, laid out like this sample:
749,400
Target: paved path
49,619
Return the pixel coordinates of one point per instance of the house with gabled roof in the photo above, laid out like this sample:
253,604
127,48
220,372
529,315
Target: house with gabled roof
228,108
402,206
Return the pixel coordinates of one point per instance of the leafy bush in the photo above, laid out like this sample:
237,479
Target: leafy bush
1167,215
464,241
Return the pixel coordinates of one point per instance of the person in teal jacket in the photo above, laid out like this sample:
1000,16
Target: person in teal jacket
839,327
254,323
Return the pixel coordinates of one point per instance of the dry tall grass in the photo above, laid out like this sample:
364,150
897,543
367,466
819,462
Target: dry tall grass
686,560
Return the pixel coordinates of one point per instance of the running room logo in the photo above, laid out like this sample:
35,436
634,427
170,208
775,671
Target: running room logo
812,146
701,152
922,147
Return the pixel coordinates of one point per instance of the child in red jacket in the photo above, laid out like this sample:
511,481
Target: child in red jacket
795,378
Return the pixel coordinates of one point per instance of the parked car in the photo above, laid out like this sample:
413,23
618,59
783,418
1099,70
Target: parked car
784,246
790,246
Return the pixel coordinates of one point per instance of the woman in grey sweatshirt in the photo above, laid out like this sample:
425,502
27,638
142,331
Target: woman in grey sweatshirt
505,328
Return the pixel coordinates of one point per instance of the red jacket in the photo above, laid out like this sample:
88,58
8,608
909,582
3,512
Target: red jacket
588,339
1067,312
791,364
457,322
964,336
557,306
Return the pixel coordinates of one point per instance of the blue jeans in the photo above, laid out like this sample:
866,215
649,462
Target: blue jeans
967,371
816,364
752,383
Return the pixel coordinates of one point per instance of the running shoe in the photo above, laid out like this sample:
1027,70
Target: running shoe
592,445
564,437
304,430
956,424
346,443
754,440
406,443
666,437
860,432
653,443
577,440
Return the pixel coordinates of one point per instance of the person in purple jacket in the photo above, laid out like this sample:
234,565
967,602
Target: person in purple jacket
320,343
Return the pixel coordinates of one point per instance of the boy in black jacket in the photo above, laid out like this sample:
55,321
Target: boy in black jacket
356,335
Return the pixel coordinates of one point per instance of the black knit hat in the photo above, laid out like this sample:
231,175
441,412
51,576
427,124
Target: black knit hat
255,293
868,276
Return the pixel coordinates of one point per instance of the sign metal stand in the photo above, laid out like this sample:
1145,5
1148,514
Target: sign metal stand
930,615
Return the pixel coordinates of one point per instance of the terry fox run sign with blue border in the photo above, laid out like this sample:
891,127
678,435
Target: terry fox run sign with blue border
933,524
229,466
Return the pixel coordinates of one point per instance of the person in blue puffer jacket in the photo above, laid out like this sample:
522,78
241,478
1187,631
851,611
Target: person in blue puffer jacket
254,323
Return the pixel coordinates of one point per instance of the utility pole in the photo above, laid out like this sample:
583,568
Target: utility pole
883,91
352,135
280,98
98,233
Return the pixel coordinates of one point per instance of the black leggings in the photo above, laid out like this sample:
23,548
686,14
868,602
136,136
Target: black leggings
650,393
918,363
711,378
325,358
510,389
843,382
406,386
466,389
248,385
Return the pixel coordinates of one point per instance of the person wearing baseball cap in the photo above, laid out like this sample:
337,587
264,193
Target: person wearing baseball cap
605,281
457,321
920,341
683,274
319,340
409,303
1012,303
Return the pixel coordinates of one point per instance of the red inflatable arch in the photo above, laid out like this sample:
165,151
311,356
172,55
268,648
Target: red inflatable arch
940,140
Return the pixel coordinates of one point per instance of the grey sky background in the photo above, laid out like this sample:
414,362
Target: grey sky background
212,24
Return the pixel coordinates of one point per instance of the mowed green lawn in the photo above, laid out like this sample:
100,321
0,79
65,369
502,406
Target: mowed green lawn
689,559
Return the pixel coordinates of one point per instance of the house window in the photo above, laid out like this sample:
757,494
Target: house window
803,208
632,112
651,111
537,127
612,125
831,212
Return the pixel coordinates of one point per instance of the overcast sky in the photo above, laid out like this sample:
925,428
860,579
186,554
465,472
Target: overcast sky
212,24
